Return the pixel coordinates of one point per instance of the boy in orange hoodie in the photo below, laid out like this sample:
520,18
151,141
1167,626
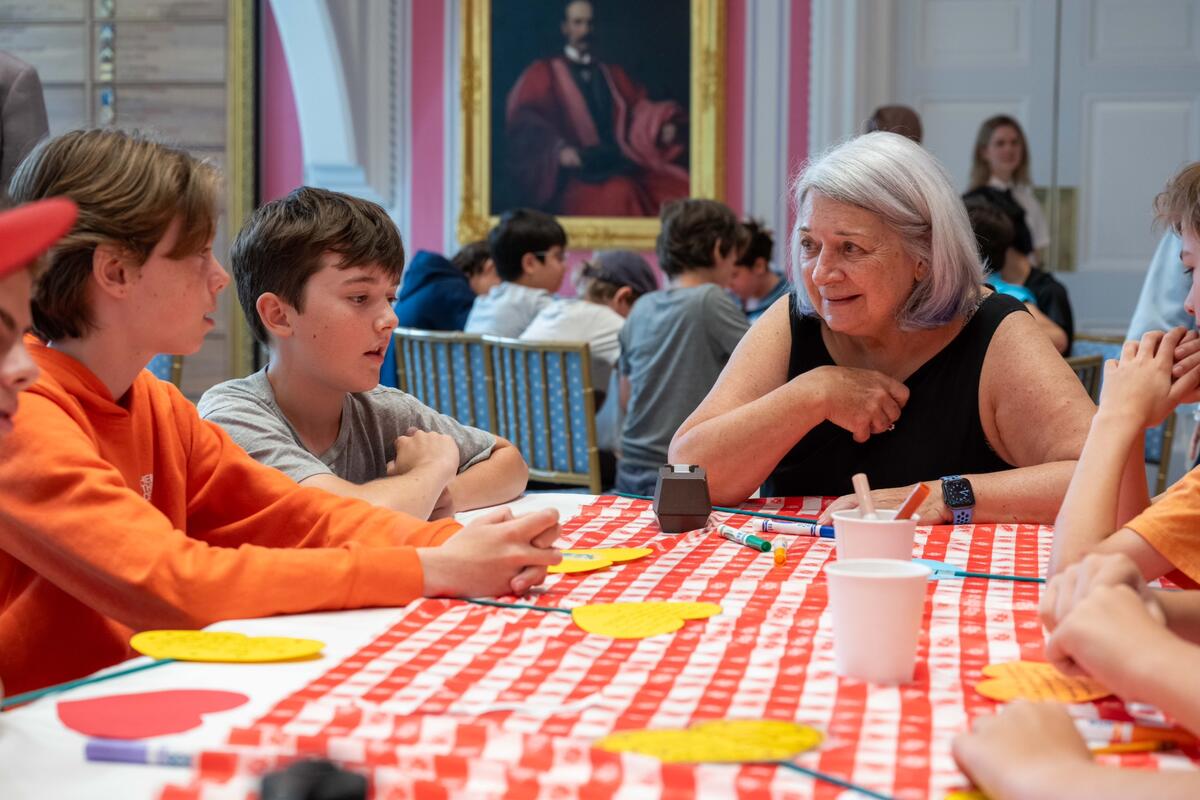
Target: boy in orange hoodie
121,510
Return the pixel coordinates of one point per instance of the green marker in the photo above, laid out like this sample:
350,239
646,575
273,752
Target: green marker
748,539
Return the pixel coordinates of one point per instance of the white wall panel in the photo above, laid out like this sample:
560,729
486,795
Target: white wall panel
974,33
1131,147
1165,32
766,116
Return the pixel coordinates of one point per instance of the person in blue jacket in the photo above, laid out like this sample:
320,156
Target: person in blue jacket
437,294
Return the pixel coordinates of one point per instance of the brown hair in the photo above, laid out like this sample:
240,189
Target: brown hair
980,171
281,245
895,119
1178,205
129,188
691,228
471,258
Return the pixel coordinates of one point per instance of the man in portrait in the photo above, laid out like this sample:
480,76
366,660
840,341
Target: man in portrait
585,139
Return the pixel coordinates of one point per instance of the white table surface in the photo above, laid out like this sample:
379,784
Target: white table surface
41,758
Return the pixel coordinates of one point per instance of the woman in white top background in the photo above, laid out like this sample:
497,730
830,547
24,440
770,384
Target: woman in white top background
1001,160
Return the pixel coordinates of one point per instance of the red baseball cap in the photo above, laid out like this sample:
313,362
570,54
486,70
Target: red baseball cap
28,231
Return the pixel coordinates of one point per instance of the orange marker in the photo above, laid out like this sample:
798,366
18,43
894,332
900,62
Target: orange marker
914,499
1133,747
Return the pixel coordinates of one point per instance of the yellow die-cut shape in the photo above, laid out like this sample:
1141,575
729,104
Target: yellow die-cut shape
1037,680
639,620
222,647
723,741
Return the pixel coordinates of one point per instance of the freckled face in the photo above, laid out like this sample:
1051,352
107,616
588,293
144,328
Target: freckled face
175,298
346,323
853,266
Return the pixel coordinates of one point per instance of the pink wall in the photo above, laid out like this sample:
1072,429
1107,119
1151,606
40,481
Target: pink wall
281,155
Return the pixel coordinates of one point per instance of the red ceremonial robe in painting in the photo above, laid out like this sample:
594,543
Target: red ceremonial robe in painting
547,112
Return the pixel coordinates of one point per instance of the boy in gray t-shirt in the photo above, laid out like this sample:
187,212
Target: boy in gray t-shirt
676,342
316,276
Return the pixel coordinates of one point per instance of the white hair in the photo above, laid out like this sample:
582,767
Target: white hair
900,182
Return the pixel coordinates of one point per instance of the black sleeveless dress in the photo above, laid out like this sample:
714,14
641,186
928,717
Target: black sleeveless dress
938,432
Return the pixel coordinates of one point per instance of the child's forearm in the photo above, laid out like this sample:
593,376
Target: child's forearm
1182,610
1104,490
499,478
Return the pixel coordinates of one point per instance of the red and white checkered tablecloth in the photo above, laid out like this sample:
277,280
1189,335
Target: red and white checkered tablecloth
462,700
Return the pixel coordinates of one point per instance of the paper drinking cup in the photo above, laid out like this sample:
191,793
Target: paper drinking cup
877,607
884,537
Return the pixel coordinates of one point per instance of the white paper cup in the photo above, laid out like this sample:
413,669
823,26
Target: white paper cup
885,537
877,607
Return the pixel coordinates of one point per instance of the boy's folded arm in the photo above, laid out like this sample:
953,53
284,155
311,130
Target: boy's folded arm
233,499
499,478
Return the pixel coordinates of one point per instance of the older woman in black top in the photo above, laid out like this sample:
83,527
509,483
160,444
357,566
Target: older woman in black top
891,358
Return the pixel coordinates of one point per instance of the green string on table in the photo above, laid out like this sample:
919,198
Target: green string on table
821,776
526,606
726,509
960,573
19,699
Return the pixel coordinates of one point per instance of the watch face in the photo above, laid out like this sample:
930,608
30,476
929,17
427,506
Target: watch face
958,494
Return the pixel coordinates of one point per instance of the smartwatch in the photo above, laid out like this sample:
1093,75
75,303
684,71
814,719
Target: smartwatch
959,498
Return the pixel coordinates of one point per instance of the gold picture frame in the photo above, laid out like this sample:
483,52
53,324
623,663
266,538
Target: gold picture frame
706,125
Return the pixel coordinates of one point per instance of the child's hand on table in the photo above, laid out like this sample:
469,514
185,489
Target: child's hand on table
496,554
1027,751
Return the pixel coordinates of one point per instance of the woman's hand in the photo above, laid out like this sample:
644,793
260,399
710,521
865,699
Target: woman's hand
1026,750
862,401
1140,384
932,510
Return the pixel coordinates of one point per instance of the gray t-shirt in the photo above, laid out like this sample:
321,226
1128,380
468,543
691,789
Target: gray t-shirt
371,421
673,347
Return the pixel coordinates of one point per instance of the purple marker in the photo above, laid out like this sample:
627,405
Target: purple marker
800,528
133,752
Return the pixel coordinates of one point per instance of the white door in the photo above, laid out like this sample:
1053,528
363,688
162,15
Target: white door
1128,102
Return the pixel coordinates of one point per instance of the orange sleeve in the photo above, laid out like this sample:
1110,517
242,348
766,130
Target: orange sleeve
1172,525
68,515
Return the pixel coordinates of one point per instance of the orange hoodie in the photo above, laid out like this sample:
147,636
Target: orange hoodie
120,517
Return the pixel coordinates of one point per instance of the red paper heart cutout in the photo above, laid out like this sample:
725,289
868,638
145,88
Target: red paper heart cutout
145,714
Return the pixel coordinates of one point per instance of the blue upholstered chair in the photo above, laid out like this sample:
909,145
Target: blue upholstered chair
545,405
167,368
1158,440
1090,370
449,371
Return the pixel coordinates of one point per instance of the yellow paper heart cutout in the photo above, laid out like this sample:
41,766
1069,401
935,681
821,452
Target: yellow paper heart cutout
614,554
1036,680
595,558
220,646
639,620
968,794
721,741
576,563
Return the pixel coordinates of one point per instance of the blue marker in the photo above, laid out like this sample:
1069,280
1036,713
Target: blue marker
801,528
132,752
748,539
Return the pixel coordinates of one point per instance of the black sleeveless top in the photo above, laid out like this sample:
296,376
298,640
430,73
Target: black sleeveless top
938,432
